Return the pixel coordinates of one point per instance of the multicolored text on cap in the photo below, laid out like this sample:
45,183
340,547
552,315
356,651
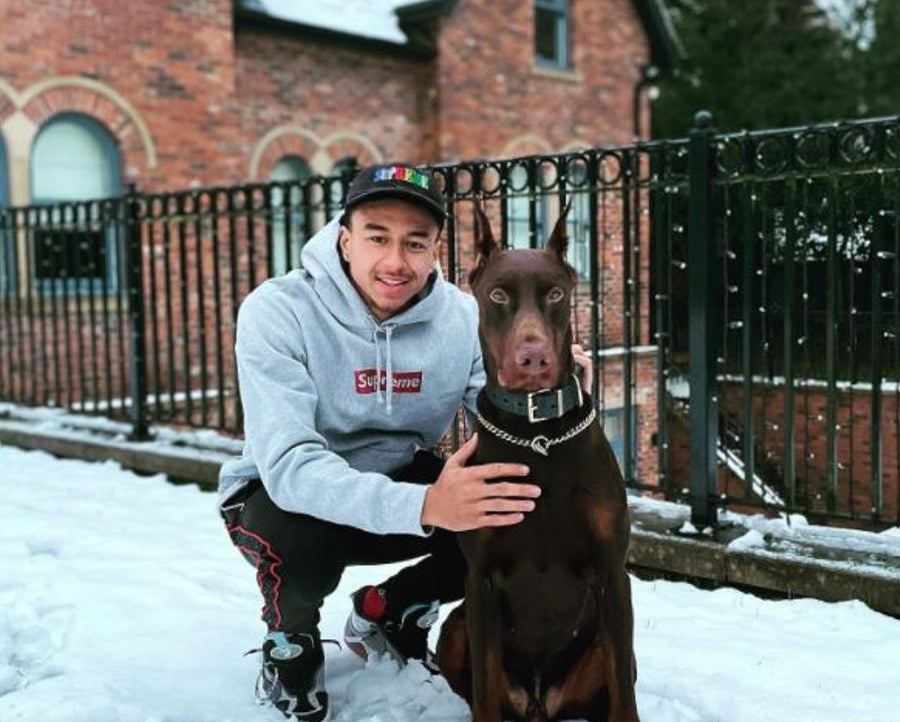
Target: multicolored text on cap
398,172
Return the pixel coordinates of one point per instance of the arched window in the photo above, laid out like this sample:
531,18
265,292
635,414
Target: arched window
75,158
290,168
289,213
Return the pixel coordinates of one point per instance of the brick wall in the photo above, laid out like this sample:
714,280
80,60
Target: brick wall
193,104
854,451
491,93
327,102
854,489
166,66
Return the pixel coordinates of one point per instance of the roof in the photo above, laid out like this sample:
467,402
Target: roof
397,24
374,19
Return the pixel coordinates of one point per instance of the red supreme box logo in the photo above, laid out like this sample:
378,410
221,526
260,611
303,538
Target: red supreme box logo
404,382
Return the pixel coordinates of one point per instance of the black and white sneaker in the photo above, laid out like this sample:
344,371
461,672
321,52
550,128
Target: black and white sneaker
372,631
293,676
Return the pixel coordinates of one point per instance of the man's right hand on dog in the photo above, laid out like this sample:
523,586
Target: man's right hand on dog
462,499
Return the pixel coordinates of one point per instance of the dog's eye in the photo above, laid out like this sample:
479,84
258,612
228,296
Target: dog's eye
556,294
498,295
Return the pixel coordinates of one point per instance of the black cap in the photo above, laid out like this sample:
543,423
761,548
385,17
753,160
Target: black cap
396,181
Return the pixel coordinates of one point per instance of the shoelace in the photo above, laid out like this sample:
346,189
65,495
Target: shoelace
258,650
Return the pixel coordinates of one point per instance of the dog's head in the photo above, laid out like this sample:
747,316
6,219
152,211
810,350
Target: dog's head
524,298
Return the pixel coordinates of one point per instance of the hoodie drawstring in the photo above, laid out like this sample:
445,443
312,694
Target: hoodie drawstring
377,365
388,398
389,371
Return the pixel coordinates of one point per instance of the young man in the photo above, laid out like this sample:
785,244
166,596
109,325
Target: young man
348,370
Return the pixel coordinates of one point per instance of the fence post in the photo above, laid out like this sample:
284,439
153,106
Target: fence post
134,281
704,416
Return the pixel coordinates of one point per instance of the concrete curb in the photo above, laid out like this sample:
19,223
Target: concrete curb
180,462
769,572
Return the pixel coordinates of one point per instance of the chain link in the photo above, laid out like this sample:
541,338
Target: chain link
540,444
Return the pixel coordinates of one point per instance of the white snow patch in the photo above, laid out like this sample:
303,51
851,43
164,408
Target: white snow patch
122,600
366,18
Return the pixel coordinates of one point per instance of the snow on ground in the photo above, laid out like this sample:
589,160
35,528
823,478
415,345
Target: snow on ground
123,601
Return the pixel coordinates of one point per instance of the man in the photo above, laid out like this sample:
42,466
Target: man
348,370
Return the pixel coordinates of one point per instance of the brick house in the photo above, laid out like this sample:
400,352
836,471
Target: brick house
215,92
189,94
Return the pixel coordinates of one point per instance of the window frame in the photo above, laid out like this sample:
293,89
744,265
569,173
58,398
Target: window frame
561,11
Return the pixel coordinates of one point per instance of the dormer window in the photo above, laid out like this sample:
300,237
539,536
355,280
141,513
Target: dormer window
551,33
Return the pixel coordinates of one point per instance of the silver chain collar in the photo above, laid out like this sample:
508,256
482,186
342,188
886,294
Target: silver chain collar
540,444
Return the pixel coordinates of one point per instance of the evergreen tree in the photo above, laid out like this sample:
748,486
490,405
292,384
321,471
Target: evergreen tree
774,63
880,60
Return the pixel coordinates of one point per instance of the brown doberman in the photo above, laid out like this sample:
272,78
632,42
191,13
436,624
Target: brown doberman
545,631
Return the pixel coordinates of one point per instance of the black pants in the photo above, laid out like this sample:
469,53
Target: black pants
299,559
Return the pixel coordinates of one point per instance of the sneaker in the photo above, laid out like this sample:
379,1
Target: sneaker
371,630
293,676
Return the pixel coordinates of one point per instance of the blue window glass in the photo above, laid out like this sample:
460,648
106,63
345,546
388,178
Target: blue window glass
522,193
613,421
4,174
74,164
579,222
552,28
7,236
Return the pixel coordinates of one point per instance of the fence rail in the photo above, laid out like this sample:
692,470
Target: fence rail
740,293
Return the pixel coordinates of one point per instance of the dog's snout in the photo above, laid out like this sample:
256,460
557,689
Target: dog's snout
533,357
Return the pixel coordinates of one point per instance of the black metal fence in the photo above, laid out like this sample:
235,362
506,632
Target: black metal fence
753,275
793,285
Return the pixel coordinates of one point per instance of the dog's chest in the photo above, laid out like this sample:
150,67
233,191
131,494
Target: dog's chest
541,568
544,582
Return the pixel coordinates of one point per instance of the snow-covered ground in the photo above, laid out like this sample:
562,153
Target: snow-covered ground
123,601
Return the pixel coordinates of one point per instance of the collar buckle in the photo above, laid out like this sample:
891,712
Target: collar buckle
532,407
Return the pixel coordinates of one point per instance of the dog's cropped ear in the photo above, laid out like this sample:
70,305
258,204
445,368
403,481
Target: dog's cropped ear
485,244
558,242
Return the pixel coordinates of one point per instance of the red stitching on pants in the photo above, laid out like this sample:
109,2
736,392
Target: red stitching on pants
260,553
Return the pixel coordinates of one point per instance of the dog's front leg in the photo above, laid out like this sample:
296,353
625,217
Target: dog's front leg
618,623
483,618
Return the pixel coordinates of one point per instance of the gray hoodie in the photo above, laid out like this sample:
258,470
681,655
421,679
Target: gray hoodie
320,431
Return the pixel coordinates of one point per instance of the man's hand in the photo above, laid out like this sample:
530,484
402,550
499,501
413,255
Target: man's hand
461,499
584,366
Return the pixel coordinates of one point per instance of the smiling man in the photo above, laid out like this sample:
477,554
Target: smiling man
350,369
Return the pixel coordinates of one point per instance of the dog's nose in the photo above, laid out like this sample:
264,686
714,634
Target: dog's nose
533,357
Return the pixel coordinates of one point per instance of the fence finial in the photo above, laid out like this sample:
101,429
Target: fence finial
702,119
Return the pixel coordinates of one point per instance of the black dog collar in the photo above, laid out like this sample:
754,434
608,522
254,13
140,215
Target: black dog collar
537,406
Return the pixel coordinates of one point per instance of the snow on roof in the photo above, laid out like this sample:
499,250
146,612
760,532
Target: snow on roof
366,18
